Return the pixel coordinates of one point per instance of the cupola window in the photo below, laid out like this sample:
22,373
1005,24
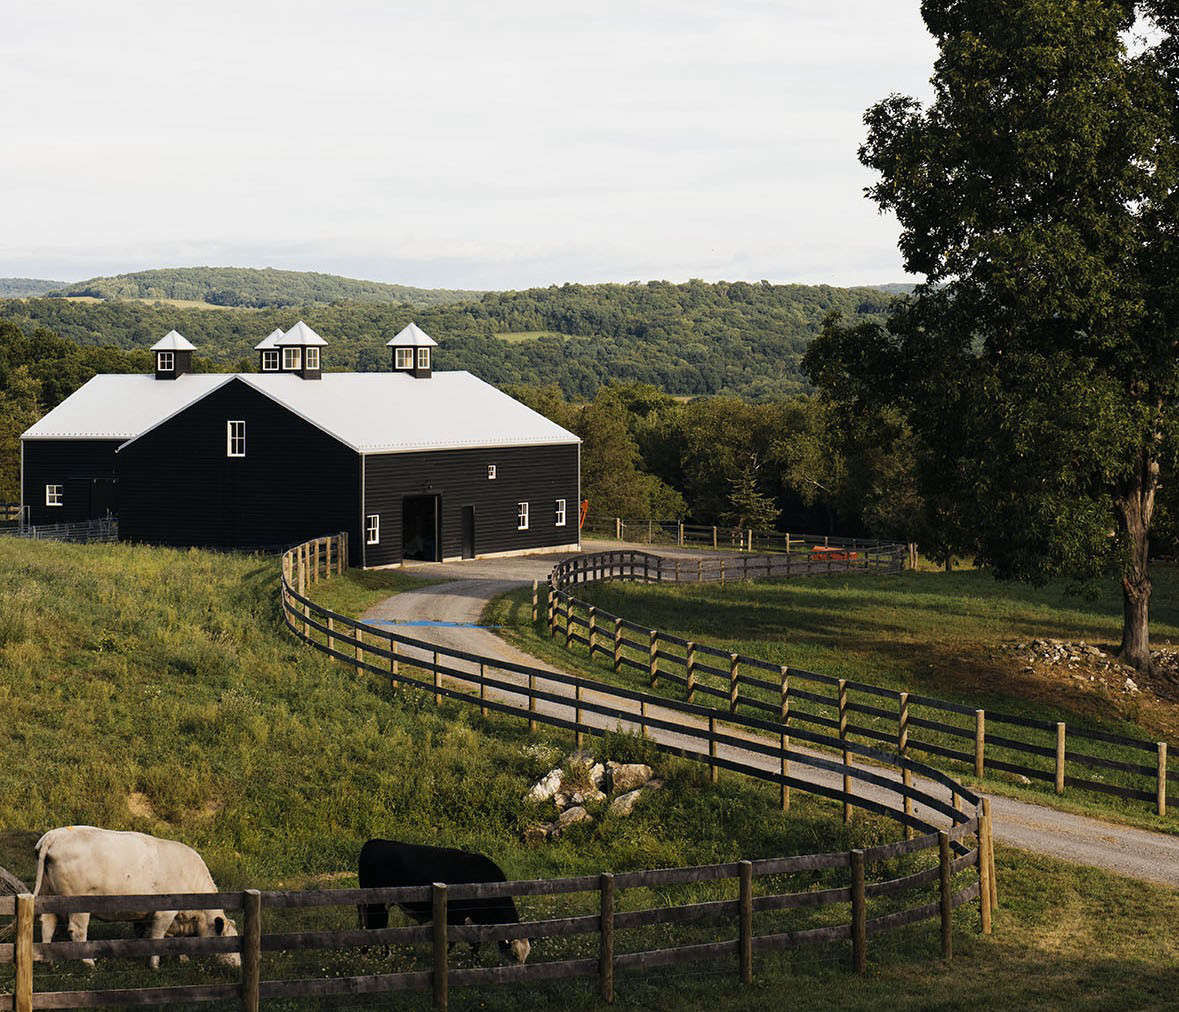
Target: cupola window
312,361
165,361
404,358
270,361
292,358
423,358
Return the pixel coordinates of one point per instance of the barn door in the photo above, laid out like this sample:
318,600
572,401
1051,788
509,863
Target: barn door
468,532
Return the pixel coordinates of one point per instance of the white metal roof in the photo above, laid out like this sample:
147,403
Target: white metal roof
270,340
380,412
122,406
412,337
300,334
173,341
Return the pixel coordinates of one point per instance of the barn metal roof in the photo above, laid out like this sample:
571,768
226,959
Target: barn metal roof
380,412
173,341
412,337
270,340
299,334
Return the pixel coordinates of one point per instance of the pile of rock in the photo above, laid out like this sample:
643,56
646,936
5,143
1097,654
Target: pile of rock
1086,663
581,786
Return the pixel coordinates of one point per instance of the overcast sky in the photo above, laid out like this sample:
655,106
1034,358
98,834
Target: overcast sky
462,145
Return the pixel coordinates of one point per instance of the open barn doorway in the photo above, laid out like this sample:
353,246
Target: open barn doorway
419,528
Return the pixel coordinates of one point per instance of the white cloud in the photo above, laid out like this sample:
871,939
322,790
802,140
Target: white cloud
459,144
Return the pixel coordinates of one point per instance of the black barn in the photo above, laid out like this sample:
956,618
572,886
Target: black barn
414,464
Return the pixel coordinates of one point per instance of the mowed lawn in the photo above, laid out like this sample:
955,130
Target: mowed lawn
930,633
158,690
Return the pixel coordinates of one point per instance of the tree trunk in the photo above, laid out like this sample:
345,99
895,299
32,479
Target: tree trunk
1137,508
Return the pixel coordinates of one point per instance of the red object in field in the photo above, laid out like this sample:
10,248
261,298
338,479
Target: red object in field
833,553
584,511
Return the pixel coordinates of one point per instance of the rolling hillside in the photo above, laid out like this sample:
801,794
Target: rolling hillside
250,288
20,288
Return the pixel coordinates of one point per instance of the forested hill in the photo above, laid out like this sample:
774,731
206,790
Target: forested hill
21,287
687,339
248,287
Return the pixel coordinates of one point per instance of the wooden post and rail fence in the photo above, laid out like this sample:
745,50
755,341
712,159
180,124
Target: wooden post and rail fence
982,741
747,920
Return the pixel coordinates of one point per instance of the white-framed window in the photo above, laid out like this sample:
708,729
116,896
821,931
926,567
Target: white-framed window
270,361
292,358
404,358
165,361
372,529
235,439
560,512
52,495
423,358
491,472
312,358
521,516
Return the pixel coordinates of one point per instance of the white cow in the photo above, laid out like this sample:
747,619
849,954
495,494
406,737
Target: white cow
86,861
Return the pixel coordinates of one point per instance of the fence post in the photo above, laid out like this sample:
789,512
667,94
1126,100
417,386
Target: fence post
22,992
606,945
733,683
251,945
722,572
359,634
482,689
1162,786
712,770
690,669
943,846
784,740
568,623
745,932
991,854
331,640
714,539
535,601
578,734
437,681
393,663
980,739
903,749
593,630
440,975
653,657
552,612
984,873
847,808
1060,757
617,644
681,534
618,528
699,570
859,905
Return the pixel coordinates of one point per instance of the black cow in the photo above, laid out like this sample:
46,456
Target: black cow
387,864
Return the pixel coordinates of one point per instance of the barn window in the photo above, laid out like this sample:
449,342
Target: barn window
404,358
165,361
522,516
491,472
423,358
291,358
372,529
560,512
52,495
312,358
270,361
235,439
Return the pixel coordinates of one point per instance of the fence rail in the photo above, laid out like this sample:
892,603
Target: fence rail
719,537
85,531
582,706
856,709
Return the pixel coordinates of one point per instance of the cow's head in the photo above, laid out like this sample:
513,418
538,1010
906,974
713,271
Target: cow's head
518,947
217,924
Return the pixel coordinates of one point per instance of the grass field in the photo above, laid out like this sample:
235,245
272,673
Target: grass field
520,336
177,303
937,634
157,690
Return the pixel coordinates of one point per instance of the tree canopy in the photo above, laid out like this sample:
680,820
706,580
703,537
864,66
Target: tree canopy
1038,366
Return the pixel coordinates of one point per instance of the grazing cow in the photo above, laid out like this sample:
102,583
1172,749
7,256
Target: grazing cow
85,861
387,864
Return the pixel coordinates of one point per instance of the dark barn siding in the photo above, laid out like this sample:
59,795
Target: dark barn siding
538,475
74,463
177,486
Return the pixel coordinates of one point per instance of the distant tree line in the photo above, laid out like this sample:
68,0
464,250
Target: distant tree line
254,288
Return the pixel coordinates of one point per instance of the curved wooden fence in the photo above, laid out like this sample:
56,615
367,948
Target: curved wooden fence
878,715
952,845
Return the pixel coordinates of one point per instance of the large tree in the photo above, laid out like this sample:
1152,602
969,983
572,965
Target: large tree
1038,363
